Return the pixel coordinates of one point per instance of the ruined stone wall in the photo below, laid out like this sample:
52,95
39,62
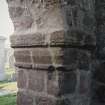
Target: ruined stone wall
55,50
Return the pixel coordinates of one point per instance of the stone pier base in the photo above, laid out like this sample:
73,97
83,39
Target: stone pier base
55,47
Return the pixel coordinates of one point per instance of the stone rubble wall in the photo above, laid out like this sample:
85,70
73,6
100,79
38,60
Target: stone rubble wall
55,50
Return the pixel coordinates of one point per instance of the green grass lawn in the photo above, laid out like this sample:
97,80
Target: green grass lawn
8,99
11,98
8,85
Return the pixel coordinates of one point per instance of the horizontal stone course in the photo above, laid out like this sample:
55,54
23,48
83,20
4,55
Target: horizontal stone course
27,40
55,83
43,58
46,100
58,38
23,65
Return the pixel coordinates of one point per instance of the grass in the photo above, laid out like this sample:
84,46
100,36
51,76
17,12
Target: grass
8,85
8,99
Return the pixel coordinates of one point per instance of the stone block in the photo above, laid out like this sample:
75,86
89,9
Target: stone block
88,24
24,99
67,82
65,56
98,74
98,94
101,45
41,56
22,56
23,23
81,100
42,100
81,16
84,60
22,79
52,83
36,80
16,11
61,83
85,81
28,40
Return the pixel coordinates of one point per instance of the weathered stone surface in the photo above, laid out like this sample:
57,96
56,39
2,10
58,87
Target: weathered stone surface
40,100
84,86
99,73
72,38
24,99
23,65
67,82
81,15
80,101
36,80
61,83
100,32
53,83
17,12
63,56
42,56
58,38
98,94
22,79
28,40
22,56
84,60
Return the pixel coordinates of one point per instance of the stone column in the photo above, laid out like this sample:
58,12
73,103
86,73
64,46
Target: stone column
2,58
54,43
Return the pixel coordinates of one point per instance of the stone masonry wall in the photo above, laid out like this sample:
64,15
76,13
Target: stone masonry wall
55,51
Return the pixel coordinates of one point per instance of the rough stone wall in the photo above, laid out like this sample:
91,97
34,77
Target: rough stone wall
55,50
